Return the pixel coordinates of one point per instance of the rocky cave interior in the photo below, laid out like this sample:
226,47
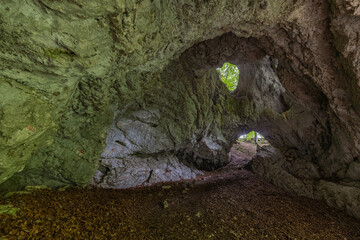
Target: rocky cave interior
134,84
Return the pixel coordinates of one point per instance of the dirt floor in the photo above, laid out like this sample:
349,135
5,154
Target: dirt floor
230,203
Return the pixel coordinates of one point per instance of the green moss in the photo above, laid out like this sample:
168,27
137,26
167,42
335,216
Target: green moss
55,53
35,188
26,121
8,209
68,1
9,194
246,109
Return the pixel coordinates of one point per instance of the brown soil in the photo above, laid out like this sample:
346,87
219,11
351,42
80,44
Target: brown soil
230,203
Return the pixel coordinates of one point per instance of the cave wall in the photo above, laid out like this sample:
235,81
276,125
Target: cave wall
70,71
176,128
321,75
66,62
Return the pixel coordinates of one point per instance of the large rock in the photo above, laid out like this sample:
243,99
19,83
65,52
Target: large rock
141,171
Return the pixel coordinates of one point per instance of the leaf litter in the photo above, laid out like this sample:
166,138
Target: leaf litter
229,203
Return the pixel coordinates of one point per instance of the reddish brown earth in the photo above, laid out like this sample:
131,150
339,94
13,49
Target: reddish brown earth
230,203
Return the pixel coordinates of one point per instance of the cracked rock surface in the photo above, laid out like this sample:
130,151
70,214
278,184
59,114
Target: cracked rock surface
135,154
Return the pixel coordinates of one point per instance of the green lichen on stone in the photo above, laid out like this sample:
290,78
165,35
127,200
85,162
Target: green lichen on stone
35,188
246,109
270,114
56,53
233,105
289,114
26,120
9,194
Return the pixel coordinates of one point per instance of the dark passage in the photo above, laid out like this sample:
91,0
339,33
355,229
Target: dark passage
229,203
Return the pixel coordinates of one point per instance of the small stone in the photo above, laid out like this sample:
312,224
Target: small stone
198,214
165,204
185,190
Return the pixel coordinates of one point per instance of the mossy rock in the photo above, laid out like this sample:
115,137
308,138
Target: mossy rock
8,209
35,188
9,194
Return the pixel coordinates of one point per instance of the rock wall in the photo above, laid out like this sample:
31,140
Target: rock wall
170,133
296,159
70,70
321,161
66,62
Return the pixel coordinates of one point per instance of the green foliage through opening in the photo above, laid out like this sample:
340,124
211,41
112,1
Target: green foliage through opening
229,74
251,137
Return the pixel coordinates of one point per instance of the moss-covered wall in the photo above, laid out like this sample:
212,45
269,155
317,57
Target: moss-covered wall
64,62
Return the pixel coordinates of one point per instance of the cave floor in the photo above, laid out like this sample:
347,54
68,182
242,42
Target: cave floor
230,203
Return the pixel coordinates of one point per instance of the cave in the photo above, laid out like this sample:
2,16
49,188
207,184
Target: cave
113,95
